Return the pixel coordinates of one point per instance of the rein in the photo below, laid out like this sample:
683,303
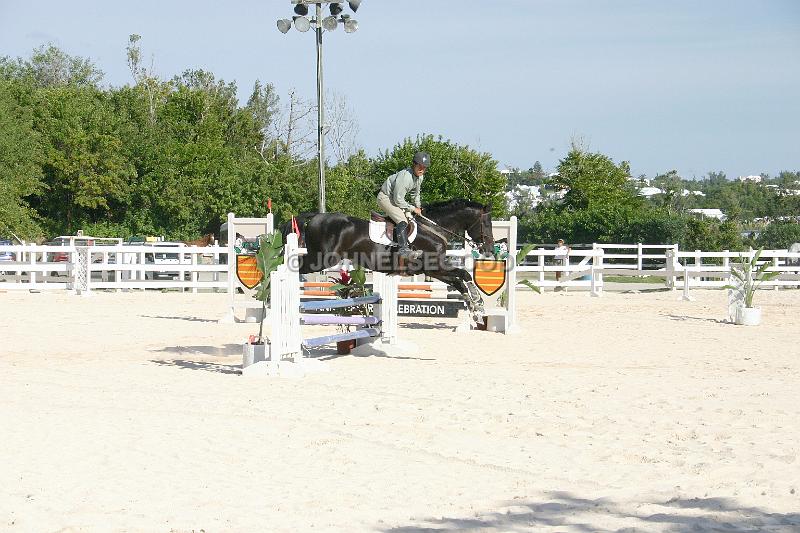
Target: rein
456,235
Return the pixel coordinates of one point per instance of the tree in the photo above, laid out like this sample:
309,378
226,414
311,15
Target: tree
592,180
455,171
341,127
20,167
49,66
672,198
85,171
144,77
263,104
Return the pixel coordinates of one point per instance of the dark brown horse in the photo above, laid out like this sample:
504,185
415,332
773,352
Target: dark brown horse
333,237
205,240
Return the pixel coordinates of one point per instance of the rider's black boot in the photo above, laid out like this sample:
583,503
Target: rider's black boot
402,239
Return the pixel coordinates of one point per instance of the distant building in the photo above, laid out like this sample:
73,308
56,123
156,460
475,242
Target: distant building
709,213
530,193
754,179
649,192
686,192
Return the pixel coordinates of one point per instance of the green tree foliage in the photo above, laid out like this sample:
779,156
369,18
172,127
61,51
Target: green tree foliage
455,171
779,235
592,181
86,171
20,166
49,66
173,157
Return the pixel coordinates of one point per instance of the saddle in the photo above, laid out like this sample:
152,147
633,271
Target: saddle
377,217
381,229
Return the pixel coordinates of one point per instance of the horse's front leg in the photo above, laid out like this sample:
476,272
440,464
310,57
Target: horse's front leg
462,281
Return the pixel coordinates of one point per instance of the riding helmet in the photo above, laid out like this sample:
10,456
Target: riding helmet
422,158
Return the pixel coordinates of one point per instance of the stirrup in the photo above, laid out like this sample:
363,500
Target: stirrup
408,253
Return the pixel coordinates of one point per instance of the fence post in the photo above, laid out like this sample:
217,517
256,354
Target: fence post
195,274
540,264
687,274
117,274
698,262
33,272
83,272
776,264
669,267
597,273
231,276
639,257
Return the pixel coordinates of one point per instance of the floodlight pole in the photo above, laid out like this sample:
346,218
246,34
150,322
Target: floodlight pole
320,114
350,26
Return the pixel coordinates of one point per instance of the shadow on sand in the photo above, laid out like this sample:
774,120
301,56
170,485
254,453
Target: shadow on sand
187,318
200,365
698,319
568,513
227,350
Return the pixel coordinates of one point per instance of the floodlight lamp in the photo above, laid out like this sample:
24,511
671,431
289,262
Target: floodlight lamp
354,5
301,9
336,9
284,25
329,23
350,26
302,24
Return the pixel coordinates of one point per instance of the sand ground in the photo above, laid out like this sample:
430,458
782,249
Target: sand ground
632,412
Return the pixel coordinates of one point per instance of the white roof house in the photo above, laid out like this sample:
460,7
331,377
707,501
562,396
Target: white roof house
529,192
754,179
687,192
710,213
648,192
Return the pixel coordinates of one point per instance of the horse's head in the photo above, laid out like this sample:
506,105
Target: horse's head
459,215
481,230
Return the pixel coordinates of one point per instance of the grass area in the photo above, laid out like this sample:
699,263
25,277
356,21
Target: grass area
633,279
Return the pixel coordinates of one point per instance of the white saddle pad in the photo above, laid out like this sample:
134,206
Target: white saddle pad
377,233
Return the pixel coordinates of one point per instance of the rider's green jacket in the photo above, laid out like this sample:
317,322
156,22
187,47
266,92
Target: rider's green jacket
398,185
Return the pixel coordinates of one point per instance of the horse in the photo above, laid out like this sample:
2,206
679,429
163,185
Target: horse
205,240
332,237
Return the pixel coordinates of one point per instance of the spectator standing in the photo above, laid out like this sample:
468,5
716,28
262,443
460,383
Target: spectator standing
561,258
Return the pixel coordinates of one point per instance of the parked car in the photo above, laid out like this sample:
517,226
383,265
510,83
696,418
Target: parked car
58,257
161,257
7,256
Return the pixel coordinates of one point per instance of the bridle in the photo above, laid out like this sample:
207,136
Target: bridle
481,220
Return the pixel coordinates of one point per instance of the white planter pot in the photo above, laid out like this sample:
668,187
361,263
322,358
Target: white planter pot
748,316
253,353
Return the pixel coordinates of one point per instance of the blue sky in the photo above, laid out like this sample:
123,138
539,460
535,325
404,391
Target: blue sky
686,85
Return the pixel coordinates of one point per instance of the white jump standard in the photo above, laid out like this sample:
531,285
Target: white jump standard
284,353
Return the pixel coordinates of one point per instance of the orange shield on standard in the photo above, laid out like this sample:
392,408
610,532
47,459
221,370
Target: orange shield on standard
247,270
489,275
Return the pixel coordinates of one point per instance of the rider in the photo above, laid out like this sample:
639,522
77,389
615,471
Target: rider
392,198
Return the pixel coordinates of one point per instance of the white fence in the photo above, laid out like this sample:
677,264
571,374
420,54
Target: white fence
678,268
31,267
119,267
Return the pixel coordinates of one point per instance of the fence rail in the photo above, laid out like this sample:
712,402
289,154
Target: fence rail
120,267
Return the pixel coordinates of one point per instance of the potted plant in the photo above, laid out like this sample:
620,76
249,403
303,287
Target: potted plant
748,276
268,257
350,285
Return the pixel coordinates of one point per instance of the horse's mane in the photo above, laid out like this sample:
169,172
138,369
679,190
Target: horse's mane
449,206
